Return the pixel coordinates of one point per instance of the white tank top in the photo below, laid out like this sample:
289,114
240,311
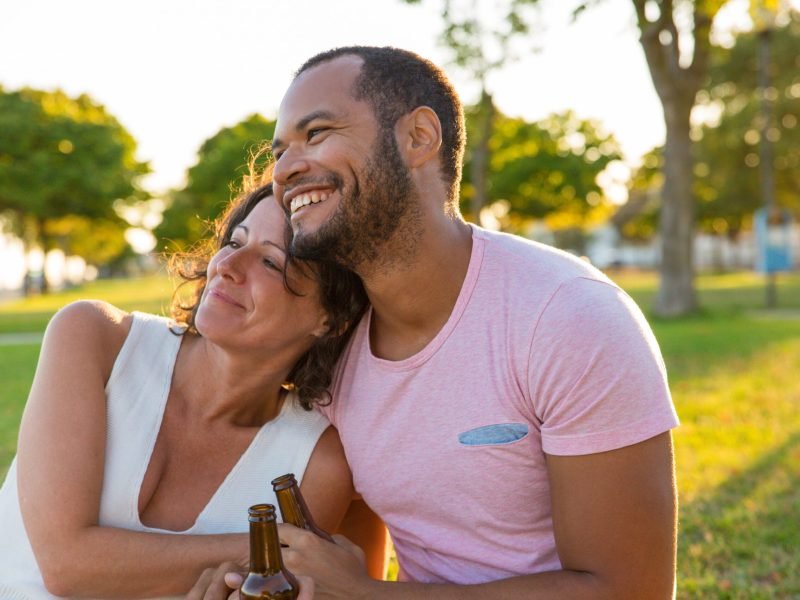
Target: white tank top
136,393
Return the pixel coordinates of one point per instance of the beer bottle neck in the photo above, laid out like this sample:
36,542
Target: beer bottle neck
292,507
265,548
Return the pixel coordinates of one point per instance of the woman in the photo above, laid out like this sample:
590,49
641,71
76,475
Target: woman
138,428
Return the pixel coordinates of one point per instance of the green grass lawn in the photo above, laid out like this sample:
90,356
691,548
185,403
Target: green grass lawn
149,294
734,377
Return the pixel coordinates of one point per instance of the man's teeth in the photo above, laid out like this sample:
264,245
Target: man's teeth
308,198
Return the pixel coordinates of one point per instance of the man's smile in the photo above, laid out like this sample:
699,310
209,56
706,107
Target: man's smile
306,198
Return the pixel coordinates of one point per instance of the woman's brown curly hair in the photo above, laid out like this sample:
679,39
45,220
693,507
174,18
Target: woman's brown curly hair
340,290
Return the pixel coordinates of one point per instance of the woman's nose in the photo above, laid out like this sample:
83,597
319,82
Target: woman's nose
231,267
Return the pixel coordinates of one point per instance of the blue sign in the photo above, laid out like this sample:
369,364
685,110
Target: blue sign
773,240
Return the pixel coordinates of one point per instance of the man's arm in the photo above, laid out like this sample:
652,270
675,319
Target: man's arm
615,524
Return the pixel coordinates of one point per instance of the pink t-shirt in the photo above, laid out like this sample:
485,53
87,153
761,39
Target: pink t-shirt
541,354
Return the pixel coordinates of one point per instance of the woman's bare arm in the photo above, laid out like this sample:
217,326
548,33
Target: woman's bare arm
363,527
328,490
60,474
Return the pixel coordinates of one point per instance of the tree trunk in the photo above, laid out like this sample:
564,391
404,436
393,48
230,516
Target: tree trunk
677,85
676,293
27,232
480,157
45,242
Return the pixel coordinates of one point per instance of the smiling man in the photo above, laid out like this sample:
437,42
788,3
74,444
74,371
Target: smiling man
503,405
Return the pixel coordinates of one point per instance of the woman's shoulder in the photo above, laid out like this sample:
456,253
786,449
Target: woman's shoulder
97,316
90,327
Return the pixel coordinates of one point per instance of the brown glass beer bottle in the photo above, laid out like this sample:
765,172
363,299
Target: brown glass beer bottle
268,578
293,507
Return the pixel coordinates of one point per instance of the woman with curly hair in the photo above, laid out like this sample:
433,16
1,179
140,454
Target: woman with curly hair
139,428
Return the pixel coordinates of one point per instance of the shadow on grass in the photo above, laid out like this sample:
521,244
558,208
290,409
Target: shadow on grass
696,346
742,540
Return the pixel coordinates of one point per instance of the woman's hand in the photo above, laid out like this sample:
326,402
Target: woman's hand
223,583
217,584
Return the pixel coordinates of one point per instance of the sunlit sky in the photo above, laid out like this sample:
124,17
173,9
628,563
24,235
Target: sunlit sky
175,71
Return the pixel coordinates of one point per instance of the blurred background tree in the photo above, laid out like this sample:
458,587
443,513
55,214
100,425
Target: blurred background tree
676,39
482,39
726,178
546,169
637,219
728,161
222,163
64,163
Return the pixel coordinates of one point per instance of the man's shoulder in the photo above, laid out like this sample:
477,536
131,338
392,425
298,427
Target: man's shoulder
523,261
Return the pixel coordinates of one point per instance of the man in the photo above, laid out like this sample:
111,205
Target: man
503,406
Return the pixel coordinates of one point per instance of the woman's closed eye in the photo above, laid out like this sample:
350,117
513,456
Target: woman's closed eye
273,264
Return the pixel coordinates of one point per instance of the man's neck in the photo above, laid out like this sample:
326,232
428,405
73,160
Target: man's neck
412,300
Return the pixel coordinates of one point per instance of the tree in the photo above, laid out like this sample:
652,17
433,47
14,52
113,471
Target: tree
728,160
221,164
63,157
675,37
637,219
98,241
481,49
726,178
544,168
677,79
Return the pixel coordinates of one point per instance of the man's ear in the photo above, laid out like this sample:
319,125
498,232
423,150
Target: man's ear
420,136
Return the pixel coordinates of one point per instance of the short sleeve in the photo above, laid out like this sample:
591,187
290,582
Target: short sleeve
596,377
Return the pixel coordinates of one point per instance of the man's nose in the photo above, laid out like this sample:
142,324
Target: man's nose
289,166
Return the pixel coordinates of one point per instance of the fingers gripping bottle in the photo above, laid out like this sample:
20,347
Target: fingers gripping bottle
267,578
293,507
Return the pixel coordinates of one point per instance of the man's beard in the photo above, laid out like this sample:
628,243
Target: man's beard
369,214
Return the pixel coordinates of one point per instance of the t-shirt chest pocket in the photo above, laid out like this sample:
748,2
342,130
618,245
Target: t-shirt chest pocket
497,434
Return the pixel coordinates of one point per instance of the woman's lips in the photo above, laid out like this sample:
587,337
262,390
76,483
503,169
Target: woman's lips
222,296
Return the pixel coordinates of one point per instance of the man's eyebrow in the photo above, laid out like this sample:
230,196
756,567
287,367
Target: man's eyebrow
303,123
324,115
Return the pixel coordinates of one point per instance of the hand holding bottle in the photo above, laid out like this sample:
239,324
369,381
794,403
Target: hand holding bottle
337,569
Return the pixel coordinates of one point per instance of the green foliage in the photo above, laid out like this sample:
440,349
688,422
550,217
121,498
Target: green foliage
481,36
726,177
223,162
64,158
638,218
542,168
99,241
476,45
727,169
